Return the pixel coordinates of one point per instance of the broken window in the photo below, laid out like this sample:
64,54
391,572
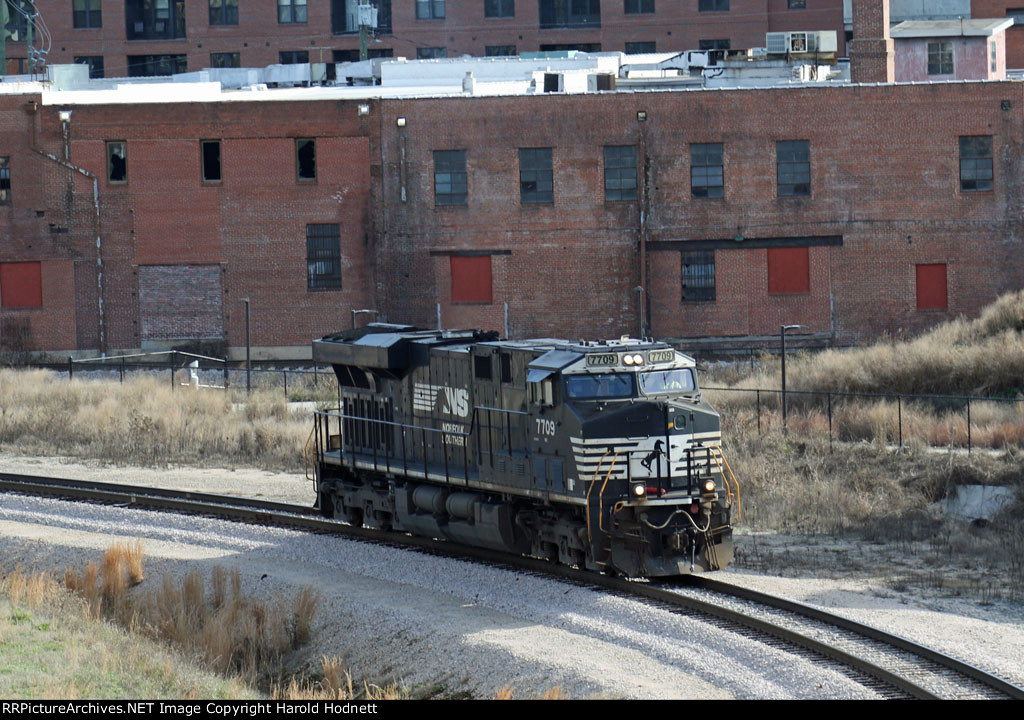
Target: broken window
706,170
210,150
323,256
86,14
223,12
117,161
619,172
794,167
698,275
305,158
5,180
291,11
536,181
976,163
450,177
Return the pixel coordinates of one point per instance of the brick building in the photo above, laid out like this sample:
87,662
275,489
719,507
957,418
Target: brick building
150,37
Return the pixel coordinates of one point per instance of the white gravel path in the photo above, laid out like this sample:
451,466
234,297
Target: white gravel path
421,620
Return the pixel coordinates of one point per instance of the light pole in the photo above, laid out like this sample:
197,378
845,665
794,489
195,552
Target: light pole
782,334
248,348
640,308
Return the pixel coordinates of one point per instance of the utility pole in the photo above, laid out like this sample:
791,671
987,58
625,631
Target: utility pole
30,26
367,19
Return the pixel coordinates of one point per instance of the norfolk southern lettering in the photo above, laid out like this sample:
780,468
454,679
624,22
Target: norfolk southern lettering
601,455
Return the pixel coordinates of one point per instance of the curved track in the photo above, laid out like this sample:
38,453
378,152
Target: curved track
893,665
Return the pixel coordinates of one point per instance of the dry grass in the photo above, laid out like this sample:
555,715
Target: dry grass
144,421
335,683
231,634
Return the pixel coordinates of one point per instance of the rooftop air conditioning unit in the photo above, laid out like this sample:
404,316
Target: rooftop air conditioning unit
777,43
817,41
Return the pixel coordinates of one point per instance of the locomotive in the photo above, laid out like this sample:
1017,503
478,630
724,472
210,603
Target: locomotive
598,454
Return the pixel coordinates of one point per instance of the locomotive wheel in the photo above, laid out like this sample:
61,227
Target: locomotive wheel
354,516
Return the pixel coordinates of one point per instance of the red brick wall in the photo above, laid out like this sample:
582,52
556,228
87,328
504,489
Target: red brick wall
258,37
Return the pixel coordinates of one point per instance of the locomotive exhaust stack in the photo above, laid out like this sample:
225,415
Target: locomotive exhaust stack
601,455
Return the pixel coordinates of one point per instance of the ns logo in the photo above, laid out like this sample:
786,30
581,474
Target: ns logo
454,401
446,400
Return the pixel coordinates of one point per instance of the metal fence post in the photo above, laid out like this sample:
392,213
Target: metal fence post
968,426
759,411
899,413
830,421
71,368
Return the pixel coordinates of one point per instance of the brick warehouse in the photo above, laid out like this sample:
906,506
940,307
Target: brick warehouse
852,209
141,37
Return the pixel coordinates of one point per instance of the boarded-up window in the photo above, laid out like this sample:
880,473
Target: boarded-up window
181,302
931,287
789,270
471,279
21,285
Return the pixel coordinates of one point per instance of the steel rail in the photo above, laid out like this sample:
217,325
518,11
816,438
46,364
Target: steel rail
306,518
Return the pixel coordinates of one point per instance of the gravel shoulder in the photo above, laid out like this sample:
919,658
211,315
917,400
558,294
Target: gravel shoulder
423,621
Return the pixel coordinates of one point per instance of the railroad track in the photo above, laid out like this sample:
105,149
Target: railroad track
892,665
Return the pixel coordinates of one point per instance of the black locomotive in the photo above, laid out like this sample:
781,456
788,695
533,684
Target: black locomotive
602,455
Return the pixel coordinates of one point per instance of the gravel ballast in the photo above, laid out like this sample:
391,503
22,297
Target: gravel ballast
429,621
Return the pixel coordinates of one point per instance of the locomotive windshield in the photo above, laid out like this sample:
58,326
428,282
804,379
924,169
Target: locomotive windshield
663,381
607,385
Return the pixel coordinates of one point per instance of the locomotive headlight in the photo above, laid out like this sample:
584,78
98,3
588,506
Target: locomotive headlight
638,489
709,486
627,359
638,359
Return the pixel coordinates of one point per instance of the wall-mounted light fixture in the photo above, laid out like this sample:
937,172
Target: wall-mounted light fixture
641,115
364,109
65,116
400,122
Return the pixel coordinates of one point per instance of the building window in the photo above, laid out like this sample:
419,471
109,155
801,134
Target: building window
794,167
225,60
95,63
707,178
305,159
155,19
471,278
619,172
500,51
789,270
291,11
117,161
429,9
499,8
293,57
323,256
210,156
536,178
797,4
638,7
431,53
450,177
156,65
21,284
86,14
698,275
353,55
993,57
223,12
718,44
570,13
5,181
713,6
345,16
931,287
976,163
639,48
564,47
940,58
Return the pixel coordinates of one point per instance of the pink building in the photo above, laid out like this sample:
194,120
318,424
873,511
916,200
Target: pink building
951,49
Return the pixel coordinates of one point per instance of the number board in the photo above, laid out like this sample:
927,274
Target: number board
660,356
602,360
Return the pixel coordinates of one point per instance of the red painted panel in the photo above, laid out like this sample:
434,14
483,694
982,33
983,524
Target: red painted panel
21,285
471,279
931,287
789,270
